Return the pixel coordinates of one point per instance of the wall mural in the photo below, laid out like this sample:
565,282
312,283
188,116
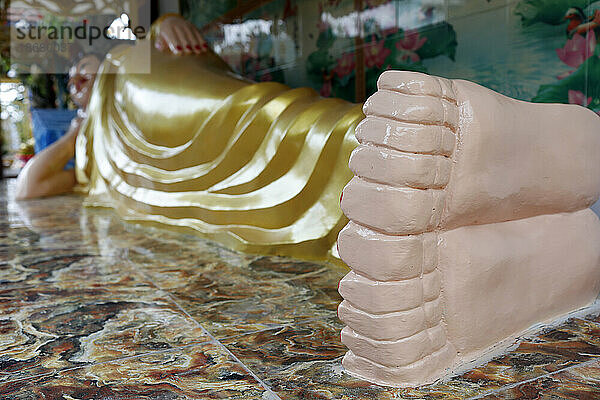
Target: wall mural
381,41
535,50
580,83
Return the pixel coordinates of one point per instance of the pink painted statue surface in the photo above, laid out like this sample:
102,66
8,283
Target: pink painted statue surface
469,223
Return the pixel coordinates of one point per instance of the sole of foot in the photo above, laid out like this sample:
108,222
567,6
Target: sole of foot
468,224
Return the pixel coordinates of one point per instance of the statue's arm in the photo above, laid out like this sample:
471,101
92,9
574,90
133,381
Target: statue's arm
44,174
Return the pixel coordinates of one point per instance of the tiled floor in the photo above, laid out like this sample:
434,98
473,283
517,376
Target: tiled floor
92,307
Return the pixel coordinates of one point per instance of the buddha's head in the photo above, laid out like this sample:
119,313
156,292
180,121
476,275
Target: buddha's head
81,79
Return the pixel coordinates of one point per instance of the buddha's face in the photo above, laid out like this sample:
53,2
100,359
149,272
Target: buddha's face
81,79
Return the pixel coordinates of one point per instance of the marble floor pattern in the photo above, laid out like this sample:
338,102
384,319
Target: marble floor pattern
92,307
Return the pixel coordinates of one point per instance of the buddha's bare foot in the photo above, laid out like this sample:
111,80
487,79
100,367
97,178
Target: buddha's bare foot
469,223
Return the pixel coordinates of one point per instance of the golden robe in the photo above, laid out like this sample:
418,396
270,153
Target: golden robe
258,167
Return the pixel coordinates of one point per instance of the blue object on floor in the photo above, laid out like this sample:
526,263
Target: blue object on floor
49,125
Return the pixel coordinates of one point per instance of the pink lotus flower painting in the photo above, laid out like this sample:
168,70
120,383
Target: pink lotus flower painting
577,97
376,53
345,65
576,51
409,44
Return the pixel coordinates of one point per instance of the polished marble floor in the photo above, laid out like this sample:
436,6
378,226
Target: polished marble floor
95,308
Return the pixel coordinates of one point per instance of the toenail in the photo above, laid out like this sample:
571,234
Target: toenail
197,47
341,196
179,48
188,47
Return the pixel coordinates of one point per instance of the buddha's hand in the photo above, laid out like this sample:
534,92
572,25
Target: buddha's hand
75,126
179,36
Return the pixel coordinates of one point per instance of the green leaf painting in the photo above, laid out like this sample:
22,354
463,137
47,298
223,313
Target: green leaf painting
574,89
441,40
580,81
546,11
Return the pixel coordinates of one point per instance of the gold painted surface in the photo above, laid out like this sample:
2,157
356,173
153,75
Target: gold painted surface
258,167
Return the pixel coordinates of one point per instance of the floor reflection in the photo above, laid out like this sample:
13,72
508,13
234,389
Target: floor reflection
94,307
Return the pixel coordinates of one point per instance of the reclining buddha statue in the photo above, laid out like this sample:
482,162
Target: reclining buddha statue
465,215
256,166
